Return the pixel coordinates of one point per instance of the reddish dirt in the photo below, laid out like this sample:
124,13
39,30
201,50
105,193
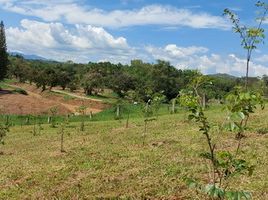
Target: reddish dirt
37,102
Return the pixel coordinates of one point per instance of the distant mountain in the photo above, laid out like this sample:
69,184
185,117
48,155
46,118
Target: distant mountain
220,75
29,57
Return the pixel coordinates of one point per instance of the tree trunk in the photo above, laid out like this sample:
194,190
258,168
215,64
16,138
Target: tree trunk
247,72
246,82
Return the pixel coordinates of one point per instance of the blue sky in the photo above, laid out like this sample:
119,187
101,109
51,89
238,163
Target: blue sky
189,34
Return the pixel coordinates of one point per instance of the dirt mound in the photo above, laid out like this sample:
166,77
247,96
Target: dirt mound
38,102
27,104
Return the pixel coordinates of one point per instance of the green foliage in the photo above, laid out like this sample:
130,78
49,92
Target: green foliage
215,192
20,91
152,106
3,52
225,165
240,105
62,132
82,111
250,36
53,111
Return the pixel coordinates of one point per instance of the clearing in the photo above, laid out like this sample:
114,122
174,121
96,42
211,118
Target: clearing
110,161
40,103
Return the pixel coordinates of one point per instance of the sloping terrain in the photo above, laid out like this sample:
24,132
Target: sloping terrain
37,102
109,161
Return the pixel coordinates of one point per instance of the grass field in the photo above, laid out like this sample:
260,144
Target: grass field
110,161
134,111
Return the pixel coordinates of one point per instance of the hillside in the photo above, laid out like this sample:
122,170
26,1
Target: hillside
108,161
40,103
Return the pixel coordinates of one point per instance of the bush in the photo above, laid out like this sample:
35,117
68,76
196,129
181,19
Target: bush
20,91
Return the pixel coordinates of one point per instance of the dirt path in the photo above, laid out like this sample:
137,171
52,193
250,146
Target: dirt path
75,95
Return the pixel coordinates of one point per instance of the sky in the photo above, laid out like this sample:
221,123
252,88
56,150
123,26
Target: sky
190,34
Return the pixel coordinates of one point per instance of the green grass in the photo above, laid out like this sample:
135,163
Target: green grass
3,85
110,161
135,111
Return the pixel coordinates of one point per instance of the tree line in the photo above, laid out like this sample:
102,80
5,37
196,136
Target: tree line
138,80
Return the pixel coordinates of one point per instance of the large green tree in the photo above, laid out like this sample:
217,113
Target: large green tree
3,52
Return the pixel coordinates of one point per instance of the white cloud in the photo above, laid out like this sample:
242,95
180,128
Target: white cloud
262,59
72,12
56,41
198,58
175,52
83,43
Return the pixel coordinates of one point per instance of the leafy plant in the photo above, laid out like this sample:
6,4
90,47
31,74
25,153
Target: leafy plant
82,111
62,133
225,165
118,109
53,111
250,36
20,91
240,105
37,130
150,110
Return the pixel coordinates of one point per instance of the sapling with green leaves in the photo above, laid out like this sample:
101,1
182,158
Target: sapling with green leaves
62,132
250,36
157,100
40,128
151,109
148,117
224,164
8,122
240,104
173,105
82,112
37,125
197,86
53,111
118,109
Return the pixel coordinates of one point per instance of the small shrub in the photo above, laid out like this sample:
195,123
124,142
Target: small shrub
82,111
20,91
53,111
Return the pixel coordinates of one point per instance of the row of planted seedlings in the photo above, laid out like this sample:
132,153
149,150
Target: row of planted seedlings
51,118
37,121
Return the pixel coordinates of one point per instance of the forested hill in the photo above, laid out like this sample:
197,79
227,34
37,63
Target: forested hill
138,80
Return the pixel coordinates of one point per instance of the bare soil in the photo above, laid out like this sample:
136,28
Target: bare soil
37,102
